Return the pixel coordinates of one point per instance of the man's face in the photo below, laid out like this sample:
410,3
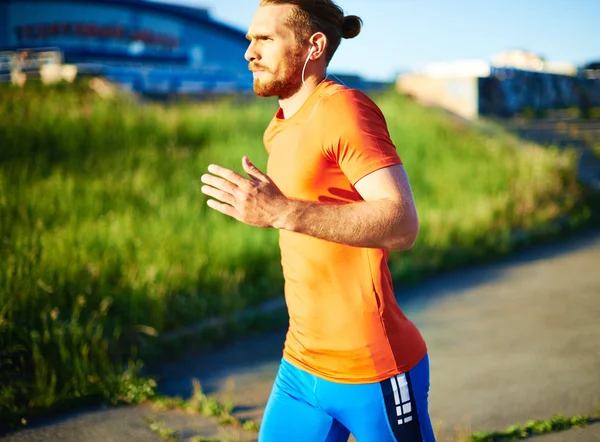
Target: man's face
274,55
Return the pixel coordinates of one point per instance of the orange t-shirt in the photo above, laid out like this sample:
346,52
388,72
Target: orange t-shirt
345,323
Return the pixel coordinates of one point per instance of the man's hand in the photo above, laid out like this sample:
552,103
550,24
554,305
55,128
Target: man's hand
256,201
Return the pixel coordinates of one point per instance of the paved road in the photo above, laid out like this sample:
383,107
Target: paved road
509,342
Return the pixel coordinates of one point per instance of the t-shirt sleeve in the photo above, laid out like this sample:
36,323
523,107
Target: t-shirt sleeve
361,142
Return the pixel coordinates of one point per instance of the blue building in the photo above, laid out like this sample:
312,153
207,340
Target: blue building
147,47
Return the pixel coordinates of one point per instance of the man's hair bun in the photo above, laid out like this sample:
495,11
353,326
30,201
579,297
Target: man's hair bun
352,26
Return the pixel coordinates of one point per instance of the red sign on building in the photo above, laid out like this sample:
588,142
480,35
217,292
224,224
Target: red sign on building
92,30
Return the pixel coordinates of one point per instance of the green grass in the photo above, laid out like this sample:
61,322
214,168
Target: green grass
532,428
106,241
161,430
206,406
595,149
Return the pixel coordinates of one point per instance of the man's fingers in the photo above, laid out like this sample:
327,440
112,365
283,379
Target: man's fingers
219,183
253,171
229,175
218,194
225,209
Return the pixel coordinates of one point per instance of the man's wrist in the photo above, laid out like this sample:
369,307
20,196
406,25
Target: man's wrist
287,218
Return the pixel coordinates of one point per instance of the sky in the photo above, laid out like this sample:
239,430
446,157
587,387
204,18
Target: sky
404,35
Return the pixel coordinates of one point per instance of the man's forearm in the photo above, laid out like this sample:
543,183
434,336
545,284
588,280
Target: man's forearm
385,224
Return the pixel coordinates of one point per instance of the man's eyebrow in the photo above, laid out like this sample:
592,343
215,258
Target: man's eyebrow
260,36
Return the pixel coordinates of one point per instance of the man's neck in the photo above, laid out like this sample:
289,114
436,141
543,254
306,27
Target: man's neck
292,104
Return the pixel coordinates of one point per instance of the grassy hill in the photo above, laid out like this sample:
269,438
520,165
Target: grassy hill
105,237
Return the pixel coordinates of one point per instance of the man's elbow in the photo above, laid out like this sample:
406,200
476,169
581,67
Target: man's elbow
405,242
406,237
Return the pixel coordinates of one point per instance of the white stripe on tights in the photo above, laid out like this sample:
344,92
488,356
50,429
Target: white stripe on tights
395,388
403,386
402,399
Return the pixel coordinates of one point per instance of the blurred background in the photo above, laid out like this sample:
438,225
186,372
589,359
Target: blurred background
111,110
438,51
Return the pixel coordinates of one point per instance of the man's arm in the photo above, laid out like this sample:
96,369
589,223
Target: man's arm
386,219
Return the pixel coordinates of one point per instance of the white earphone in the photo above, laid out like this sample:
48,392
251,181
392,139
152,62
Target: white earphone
310,52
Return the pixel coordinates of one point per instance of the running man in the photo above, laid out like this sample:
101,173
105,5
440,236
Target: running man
338,193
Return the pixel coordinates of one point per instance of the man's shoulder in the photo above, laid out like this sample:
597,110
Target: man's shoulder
342,102
337,93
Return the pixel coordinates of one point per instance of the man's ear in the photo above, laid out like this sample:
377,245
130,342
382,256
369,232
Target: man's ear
318,44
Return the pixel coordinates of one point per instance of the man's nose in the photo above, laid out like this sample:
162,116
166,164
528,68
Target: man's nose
251,54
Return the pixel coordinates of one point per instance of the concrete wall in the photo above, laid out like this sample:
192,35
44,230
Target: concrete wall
506,92
459,95
509,91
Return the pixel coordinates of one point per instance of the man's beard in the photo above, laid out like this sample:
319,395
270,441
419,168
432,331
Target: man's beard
286,84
